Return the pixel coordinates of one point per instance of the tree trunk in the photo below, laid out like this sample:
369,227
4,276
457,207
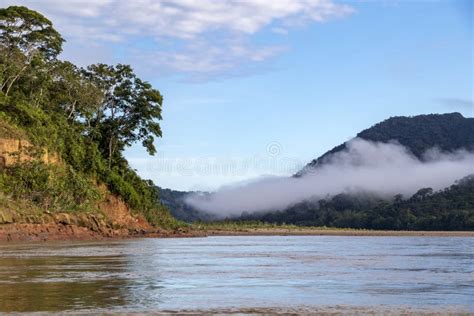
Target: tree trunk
73,109
15,79
111,151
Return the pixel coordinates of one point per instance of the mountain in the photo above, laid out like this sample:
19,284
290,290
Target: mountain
447,132
448,209
174,201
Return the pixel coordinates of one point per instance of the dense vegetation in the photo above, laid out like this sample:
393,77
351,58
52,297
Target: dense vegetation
87,116
449,209
174,201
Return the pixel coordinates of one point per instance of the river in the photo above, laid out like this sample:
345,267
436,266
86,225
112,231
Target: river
240,274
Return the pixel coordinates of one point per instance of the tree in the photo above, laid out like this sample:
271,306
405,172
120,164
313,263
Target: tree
24,36
85,120
129,109
422,193
74,92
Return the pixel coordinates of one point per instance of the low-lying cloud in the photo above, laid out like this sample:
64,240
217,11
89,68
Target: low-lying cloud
382,168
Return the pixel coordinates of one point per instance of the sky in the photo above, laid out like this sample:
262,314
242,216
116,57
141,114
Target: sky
257,87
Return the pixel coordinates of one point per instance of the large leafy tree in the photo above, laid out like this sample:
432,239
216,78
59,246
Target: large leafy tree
26,38
86,116
129,110
74,92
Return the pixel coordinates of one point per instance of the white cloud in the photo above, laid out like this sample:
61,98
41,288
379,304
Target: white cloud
205,59
382,168
190,21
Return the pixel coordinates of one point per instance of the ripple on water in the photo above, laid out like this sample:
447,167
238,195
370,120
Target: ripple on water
241,273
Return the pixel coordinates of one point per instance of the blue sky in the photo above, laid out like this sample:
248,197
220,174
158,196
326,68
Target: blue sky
257,88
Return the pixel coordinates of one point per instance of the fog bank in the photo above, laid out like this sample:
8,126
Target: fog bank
383,168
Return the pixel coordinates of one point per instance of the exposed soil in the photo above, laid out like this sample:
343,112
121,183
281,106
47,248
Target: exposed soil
67,227
114,219
13,150
45,232
65,232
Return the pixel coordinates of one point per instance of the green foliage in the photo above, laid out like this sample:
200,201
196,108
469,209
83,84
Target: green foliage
117,184
74,92
33,120
449,209
236,225
27,40
87,116
29,31
127,112
8,130
446,132
52,187
174,200
140,195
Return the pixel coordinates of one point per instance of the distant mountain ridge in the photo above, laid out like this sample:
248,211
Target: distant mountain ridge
447,132
450,209
174,201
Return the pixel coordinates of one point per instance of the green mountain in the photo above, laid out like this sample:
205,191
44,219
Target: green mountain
452,208
449,209
174,201
447,132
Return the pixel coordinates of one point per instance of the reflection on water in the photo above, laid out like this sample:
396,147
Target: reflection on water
238,272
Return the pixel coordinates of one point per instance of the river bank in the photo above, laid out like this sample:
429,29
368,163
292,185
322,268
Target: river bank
301,231
95,230
116,223
61,232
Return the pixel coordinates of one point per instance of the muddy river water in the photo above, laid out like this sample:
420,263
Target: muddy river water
247,273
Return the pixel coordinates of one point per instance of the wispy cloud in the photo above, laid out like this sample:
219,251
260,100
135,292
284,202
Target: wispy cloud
365,166
201,28
201,59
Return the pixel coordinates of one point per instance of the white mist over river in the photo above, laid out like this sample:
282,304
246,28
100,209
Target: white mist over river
385,169
300,274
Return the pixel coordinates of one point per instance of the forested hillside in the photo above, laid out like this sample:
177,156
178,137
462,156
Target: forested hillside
64,130
447,132
175,202
86,117
449,209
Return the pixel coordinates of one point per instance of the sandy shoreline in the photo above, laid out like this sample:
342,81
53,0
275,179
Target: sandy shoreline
336,232
60,232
